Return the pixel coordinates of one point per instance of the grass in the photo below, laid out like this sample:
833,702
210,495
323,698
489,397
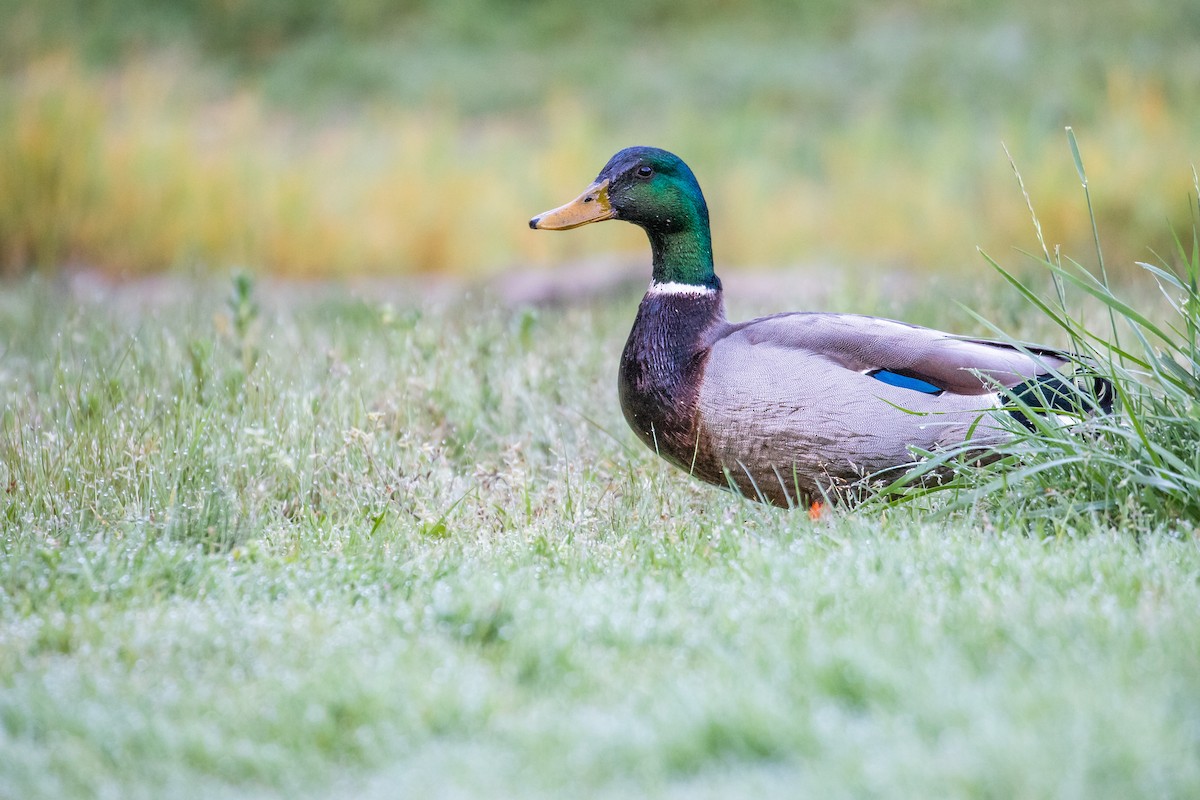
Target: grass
275,539
332,139
426,557
1138,467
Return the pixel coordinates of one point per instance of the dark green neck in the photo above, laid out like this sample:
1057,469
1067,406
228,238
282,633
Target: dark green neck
684,254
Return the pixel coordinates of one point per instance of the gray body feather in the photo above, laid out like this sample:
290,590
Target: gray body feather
785,408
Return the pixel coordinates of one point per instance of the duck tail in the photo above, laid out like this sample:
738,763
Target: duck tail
1105,394
1087,395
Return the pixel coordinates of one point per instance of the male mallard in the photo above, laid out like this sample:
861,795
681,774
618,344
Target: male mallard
791,408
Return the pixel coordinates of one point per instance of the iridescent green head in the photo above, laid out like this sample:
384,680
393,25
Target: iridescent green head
655,190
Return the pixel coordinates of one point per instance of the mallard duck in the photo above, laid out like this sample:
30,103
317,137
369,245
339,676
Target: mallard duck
794,408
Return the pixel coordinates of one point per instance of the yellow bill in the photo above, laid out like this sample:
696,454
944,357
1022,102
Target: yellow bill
591,206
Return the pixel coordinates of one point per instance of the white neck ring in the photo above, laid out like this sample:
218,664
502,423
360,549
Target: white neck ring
679,288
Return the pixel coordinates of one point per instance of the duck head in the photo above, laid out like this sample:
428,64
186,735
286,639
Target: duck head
643,185
655,190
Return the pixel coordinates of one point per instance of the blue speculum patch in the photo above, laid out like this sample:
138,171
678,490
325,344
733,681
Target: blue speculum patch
904,381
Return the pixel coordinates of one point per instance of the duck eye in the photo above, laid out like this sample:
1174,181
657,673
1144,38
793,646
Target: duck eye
645,171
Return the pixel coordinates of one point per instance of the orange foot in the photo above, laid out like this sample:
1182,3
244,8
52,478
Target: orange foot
816,510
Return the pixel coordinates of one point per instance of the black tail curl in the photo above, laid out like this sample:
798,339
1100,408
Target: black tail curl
1087,395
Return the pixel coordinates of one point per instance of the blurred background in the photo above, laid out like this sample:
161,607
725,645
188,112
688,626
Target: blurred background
324,138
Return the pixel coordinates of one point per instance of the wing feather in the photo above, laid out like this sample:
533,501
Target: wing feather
956,364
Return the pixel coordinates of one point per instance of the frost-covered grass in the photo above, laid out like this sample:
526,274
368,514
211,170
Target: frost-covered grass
268,542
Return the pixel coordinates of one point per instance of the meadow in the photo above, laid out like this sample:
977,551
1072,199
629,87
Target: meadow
285,541
299,499
318,139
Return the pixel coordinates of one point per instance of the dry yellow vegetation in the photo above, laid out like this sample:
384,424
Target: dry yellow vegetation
152,166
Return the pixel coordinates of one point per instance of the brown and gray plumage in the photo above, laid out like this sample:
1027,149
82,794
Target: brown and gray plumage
791,408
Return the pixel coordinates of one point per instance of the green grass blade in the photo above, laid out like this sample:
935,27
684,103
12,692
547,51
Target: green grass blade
1078,159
